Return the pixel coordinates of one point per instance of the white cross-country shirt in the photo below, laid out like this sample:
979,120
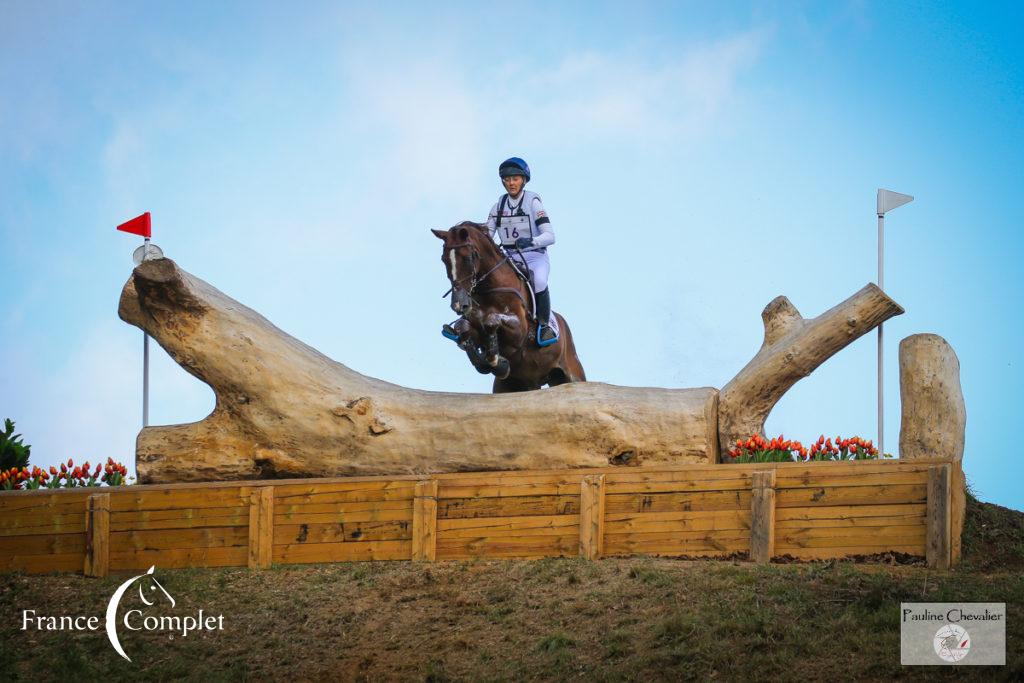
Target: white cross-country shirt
530,204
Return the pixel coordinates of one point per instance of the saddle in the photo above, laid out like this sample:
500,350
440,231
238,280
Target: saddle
525,274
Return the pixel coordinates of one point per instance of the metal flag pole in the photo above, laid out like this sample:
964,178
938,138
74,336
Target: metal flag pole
886,201
145,363
881,286
143,226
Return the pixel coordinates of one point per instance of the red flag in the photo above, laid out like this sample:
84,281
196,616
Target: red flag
140,225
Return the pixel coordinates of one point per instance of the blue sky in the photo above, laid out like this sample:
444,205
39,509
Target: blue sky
696,161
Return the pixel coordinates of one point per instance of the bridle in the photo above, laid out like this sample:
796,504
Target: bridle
478,280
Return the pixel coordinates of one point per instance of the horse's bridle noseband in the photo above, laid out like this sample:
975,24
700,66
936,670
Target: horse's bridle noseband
476,281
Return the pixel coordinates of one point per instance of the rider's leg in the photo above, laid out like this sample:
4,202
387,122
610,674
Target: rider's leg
541,266
545,334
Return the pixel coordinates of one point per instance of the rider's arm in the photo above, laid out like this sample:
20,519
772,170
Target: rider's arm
540,218
492,221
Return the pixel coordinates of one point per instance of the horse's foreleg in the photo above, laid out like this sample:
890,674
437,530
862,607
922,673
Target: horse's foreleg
475,355
499,364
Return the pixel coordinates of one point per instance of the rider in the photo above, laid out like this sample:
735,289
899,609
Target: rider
522,225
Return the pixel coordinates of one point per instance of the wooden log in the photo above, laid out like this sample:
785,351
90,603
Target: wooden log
523,525
939,517
592,516
424,522
845,522
456,508
97,535
41,564
838,513
222,556
850,536
655,522
284,409
792,348
508,547
304,553
354,517
188,518
334,532
762,517
43,544
159,539
343,509
721,542
827,496
261,528
16,524
666,502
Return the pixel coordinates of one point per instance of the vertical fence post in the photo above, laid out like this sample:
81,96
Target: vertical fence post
592,516
937,548
958,509
97,535
762,517
261,527
424,521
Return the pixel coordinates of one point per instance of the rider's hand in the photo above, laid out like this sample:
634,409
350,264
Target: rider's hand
524,242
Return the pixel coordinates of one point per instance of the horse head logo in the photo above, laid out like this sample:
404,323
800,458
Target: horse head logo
147,589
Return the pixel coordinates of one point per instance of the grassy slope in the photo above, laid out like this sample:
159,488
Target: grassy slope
632,619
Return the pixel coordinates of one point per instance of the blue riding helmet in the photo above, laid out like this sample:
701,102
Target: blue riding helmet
514,166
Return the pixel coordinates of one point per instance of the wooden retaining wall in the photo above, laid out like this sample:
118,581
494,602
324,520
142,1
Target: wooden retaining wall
803,510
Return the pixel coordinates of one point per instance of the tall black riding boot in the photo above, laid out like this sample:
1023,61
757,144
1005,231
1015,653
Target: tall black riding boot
545,335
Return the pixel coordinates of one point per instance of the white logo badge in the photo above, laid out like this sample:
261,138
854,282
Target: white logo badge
115,600
952,642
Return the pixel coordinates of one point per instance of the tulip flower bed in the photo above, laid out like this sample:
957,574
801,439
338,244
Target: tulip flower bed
68,476
780,449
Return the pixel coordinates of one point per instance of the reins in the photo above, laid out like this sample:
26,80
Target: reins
477,281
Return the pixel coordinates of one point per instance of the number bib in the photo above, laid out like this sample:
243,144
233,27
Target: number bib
512,228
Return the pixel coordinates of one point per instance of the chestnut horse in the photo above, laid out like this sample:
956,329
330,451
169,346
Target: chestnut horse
489,293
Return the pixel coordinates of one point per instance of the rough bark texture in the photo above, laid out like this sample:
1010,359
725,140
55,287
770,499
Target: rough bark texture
793,347
933,413
285,409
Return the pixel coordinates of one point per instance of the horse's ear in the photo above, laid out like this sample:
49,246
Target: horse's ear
440,234
482,227
463,234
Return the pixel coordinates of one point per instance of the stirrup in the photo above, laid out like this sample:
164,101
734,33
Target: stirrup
541,329
448,331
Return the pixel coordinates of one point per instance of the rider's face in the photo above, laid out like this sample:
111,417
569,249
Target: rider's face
513,184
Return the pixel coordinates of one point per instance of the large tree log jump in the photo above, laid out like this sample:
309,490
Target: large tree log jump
285,409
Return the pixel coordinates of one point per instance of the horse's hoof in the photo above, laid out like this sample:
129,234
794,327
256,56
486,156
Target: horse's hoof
502,369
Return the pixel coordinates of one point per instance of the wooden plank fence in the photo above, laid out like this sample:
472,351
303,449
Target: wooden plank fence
805,511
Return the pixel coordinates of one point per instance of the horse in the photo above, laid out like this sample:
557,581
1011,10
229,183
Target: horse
489,292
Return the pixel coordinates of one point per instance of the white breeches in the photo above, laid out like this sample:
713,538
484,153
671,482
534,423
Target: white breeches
539,264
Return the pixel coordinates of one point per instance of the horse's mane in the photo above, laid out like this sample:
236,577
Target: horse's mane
482,238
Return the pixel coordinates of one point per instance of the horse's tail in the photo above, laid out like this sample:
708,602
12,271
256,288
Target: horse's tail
568,362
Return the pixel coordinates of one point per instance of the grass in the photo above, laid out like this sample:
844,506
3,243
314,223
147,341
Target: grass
636,619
